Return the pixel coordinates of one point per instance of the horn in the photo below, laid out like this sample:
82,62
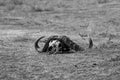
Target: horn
90,43
36,44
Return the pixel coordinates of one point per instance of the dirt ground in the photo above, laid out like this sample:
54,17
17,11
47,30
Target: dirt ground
22,22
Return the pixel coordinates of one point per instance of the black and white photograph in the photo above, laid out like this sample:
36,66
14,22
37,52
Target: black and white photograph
59,39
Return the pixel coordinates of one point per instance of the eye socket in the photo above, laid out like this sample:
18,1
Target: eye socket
50,48
60,45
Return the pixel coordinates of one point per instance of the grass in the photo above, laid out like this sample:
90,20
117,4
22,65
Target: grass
22,22
19,61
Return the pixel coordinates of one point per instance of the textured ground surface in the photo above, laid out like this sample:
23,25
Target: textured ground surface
22,22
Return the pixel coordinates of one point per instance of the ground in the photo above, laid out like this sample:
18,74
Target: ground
22,22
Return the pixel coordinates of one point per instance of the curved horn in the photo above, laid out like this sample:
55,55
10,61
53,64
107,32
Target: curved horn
90,40
90,43
36,44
